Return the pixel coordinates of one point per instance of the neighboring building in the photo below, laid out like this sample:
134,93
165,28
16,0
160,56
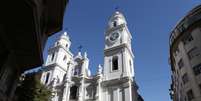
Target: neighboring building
69,76
185,58
25,26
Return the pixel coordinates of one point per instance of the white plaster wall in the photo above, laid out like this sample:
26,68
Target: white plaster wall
108,72
61,54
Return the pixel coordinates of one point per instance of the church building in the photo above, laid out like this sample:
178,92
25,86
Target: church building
69,77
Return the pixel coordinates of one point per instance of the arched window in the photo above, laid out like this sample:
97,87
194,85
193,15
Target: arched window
115,63
65,57
47,78
76,71
114,23
52,57
73,92
64,77
58,43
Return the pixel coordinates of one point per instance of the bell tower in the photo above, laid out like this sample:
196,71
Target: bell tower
57,66
118,69
118,55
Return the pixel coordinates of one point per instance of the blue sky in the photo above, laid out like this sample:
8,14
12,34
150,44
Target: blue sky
149,21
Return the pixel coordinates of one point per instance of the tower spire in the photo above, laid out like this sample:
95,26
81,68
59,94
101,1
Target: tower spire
65,31
116,19
80,48
79,51
117,8
99,71
63,40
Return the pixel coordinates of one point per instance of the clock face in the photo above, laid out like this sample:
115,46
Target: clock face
114,36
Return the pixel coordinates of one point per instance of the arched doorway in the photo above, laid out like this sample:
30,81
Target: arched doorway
73,92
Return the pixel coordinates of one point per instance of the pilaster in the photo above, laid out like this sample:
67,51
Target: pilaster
81,90
67,83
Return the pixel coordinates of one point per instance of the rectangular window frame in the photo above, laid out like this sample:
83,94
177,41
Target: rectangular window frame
53,55
200,87
194,52
197,70
185,78
187,39
47,77
115,64
181,63
190,95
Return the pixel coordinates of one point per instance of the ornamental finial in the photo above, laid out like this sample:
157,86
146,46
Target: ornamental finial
100,69
85,54
80,48
117,8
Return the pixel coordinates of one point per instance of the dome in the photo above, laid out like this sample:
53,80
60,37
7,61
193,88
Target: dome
116,19
63,40
64,36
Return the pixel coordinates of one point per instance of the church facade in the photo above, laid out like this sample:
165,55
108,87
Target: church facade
69,77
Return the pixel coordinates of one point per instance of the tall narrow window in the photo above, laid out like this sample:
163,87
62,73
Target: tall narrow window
64,77
73,92
47,78
77,71
114,23
52,57
190,95
197,70
180,63
194,52
65,57
187,39
185,78
115,63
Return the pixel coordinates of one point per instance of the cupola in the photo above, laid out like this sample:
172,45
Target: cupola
116,19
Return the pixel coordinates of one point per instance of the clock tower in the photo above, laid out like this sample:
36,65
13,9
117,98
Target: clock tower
118,55
118,70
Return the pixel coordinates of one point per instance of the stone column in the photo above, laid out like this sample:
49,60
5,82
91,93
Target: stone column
54,91
68,92
127,91
81,90
99,89
67,83
65,92
98,93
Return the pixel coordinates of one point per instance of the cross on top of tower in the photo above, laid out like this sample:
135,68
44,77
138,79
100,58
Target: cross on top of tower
66,29
117,8
80,48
